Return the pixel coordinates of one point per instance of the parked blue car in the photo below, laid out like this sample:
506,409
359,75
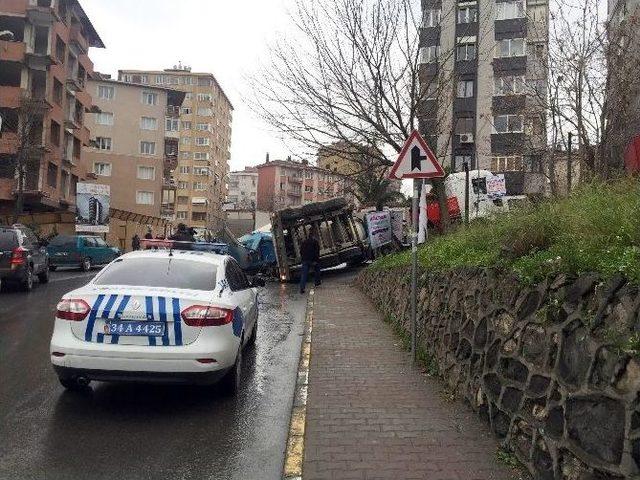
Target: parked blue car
81,251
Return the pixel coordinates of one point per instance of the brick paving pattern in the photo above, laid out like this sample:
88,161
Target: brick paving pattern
370,416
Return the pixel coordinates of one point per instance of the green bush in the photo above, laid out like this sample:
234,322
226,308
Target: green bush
597,229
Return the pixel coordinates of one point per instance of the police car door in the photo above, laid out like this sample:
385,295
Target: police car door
243,295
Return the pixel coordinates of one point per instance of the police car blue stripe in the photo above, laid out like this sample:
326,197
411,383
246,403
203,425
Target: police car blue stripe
88,334
105,314
177,319
149,304
162,306
123,303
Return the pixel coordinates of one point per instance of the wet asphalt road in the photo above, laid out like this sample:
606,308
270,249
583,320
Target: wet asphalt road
123,431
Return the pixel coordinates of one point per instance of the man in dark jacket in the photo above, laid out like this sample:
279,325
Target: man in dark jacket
135,242
310,253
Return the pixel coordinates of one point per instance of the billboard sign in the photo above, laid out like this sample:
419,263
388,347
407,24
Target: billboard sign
92,208
379,224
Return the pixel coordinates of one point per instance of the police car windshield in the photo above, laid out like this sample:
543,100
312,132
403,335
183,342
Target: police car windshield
160,272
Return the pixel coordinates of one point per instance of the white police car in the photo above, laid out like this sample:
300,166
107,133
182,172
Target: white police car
157,315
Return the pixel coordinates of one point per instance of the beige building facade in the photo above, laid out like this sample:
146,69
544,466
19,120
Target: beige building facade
130,150
202,126
243,189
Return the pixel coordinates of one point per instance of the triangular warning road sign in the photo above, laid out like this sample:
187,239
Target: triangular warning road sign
416,160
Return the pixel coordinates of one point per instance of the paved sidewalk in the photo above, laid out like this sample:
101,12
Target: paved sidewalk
370,416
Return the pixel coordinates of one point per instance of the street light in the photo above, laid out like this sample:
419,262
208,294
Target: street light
6,35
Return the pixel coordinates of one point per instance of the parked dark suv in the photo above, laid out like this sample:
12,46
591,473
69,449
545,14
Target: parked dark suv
22,257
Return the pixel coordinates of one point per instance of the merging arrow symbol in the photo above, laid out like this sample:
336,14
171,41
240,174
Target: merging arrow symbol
417,158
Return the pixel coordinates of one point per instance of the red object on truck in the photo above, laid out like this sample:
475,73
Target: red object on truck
632,156
433,210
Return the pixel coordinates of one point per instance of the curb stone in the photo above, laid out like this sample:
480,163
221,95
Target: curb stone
294,455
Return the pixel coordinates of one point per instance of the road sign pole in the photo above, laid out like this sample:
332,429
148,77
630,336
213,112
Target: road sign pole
414,268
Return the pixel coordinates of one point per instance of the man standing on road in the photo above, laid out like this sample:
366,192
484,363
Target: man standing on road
310,253
135,242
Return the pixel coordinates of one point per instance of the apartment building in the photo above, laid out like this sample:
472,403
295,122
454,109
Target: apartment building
483,71
133,148
44,65
243,189
285,183
203,126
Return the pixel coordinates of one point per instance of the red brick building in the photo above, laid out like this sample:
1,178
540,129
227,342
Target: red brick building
45,58
283,184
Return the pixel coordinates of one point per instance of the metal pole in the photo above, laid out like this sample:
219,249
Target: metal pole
466,193
414,268
569,172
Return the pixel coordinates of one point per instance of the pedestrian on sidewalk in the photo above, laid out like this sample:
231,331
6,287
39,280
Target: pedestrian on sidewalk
310,253
135,242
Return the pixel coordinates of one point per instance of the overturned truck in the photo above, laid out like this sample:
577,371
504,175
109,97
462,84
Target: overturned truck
340,234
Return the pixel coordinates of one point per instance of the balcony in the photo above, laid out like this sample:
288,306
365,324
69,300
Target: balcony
74,84
10,97
294,193
173,111
75,36
41,15
295,180
12,51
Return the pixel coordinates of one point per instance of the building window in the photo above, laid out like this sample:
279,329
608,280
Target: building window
204,97
103,143
186,155
308,174
203,127
186,125
144,79
464,126
57,92
510,47
431,17
308,189
186,110
127,78
148,123
459,161
183,185
55,133
509,85
52,175
184,170
507,124
145,198
205,112
146,173
466,52
104,118
199,216
148,148
199,186
106,92
431,90
185,140
429,54
149,98
201,156
183,200
202,171
506,164
468,14
508,10
203,141
181,215
102,169
465,89
172,124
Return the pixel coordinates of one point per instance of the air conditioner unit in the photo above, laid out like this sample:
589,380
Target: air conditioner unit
466,138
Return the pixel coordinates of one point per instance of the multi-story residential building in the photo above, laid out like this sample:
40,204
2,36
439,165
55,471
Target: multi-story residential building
483,71
283,184
44,65
243,189
132,150
203,125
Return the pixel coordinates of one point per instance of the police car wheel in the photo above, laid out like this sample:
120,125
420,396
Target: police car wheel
72,384
230,383
86,264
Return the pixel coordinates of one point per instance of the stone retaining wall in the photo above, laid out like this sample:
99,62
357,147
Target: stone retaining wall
553,368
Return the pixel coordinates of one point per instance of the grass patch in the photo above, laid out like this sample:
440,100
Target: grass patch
597,229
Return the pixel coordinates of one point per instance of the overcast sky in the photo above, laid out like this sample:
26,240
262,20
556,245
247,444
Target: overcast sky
225,37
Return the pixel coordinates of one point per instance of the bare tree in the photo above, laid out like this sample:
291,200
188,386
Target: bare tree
593,84
353,74
26,122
